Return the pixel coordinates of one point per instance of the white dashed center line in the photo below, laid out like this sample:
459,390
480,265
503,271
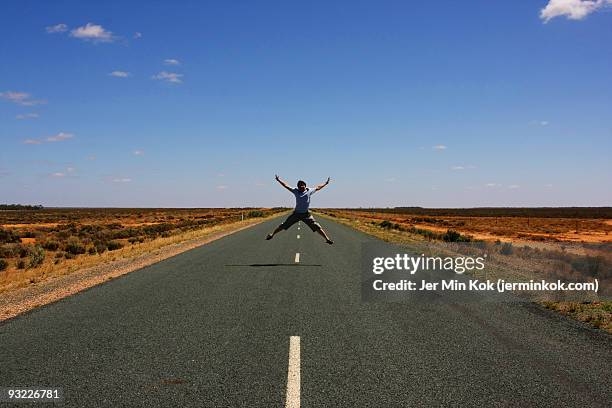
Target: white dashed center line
298,236
293,374
297,257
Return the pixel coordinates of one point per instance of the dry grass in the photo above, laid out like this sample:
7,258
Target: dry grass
51,288
509,228
526,262
75,239
14,278
598,314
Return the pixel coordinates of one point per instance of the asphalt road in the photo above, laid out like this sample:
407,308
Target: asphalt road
212,326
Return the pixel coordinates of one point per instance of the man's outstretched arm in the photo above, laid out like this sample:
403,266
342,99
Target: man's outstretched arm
282,183
320,186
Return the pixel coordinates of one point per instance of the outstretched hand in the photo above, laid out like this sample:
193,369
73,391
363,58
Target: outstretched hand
320,186
282,183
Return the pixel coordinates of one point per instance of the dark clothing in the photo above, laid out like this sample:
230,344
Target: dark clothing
301,216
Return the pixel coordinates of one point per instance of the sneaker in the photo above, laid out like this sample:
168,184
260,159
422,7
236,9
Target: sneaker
269,237
329,241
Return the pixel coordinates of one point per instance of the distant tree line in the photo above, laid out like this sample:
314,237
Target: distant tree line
20,207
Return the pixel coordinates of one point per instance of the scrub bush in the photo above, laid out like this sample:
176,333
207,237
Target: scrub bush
114,245
506,248
37,256
74,246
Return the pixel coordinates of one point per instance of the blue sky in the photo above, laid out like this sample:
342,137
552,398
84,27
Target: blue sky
200,104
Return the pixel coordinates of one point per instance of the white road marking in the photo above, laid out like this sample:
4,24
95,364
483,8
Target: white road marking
298,236
293,374
297,257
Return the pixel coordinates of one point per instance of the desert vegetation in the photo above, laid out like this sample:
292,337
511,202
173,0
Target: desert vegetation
506,224
34,238
521,244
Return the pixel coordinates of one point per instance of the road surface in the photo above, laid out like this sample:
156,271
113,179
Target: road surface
240,323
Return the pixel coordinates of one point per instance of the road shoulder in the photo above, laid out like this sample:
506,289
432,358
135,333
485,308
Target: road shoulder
19,301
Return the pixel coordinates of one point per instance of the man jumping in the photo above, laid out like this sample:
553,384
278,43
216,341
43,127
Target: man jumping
302,203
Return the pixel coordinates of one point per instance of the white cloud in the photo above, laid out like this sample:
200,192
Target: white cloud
21,98
463,167
120,74
172,61
439,147
572,9
17,97
222,187
169,77
69,172
513,186
60,137
91,157
92,32
122,180
137,35
138,152
58,28
27,116
544,123
490,185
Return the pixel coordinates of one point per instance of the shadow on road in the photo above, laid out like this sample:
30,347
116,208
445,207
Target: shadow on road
276,264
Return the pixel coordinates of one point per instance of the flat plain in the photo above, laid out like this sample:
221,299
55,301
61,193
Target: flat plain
570,244
38,243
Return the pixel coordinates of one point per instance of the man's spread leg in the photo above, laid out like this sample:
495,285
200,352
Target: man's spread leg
292,219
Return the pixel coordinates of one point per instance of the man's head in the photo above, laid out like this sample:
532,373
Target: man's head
301,185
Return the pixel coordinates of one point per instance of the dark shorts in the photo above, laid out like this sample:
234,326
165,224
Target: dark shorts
306,217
